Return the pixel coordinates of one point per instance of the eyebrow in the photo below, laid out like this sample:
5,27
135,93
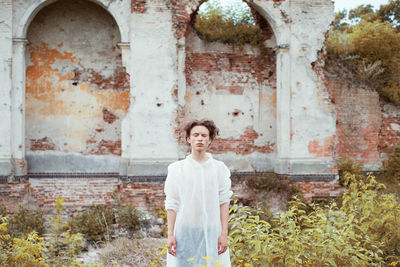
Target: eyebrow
199,133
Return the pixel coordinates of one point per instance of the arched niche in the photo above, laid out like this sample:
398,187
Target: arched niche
29,14
77,90
238,89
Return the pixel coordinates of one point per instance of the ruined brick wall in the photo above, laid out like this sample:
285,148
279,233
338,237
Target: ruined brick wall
145,193
237,89
389,134
367,127
76,88
79,192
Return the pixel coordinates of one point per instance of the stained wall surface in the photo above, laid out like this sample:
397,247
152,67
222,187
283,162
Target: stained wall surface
368,128
72,100
77,90
82,103
5,85
237,89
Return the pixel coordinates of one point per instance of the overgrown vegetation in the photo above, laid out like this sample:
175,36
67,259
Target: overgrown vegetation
348,165
95,223
22,242
390,172
24,221
271,183
63,247
234,25
129,217
24,251
361,228
365,47
30,249
363,231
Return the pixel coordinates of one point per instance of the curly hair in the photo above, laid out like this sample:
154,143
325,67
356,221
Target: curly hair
209,124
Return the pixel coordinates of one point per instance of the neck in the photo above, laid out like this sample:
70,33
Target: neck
199,156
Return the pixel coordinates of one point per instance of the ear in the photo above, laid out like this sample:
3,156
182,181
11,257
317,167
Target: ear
188,140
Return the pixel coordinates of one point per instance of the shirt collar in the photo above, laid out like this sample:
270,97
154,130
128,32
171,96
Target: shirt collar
209,156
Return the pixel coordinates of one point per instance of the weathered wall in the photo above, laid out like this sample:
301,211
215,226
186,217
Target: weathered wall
77,91
313,131
389,134
5,85
367,127
78,110
82,108
238,90
79,192
358,122
151,145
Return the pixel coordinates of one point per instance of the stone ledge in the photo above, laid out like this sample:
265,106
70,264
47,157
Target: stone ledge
5,167
71,163
159,178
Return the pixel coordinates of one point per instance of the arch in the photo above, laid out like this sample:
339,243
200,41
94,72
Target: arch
33,10
217,74
82,71
276,24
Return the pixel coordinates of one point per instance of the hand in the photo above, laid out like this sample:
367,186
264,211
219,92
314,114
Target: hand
171,244
222,244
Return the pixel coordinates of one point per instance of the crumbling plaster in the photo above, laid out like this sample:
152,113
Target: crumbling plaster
5,86
311,116
151,145
77,91
153,51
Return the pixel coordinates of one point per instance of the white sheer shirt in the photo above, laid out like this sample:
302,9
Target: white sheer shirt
195,192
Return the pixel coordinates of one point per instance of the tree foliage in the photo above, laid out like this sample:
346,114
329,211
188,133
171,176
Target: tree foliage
234,25
391,13
369,49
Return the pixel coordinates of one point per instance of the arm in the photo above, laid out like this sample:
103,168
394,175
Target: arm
225,193
171,243
223,239
172,206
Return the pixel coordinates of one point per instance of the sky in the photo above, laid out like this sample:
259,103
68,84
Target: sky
342,4
349,4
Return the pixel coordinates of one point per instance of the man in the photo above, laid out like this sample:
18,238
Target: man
198,190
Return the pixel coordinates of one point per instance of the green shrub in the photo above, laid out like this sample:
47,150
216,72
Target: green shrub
367,52
129,217
391,166
95,223
234,26
376,214
24,251
3,211
25,221
348,165
262,186
62,245
271,183
364,231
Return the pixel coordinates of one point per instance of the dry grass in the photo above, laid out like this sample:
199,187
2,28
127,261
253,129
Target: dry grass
127,252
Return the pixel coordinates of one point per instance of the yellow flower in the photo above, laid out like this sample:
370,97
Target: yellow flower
207,258
190,259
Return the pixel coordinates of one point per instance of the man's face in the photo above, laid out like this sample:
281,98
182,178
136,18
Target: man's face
199,138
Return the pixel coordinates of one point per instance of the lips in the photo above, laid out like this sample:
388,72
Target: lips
199,144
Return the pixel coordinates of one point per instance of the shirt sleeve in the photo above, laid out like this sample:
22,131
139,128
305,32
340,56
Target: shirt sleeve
171,190
224,188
